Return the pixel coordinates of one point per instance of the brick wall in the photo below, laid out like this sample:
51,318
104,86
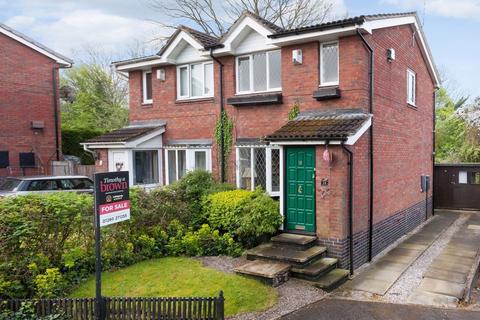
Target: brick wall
402,134
26,94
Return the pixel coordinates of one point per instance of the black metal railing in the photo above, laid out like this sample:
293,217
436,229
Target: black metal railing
120,308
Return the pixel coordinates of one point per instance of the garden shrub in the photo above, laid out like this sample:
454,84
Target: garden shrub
192,188
248,216
27,312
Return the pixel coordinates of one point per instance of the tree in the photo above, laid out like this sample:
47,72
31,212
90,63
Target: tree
457,129
98,99
214,17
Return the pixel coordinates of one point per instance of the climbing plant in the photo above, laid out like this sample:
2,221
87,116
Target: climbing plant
227,135
293,113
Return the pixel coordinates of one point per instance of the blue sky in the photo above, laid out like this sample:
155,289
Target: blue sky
120,26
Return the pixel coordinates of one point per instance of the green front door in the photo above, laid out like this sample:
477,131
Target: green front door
300,189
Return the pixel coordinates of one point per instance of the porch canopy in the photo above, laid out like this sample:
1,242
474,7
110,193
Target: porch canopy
323,127
131,136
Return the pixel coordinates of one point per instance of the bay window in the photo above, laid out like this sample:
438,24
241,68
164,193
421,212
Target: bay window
329,64
181,160
195,80
259,166
259,72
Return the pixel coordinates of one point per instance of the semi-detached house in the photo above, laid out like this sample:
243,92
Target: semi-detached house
348,168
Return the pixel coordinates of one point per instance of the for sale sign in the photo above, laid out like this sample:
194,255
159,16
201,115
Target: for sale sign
112,204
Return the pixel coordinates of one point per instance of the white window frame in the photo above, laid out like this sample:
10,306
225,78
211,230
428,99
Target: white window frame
268,167
331,83
144,86
189,158
411,73
189,80
250,65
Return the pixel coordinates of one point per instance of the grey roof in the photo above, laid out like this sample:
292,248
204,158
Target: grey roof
270,25
205,39
336,125
340,23
134,60
35,43
189,142
124,134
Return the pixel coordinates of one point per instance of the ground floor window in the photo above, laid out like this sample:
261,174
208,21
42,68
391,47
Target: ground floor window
179,161
145,167
259,166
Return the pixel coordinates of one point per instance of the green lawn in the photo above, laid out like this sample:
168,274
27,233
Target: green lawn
182,277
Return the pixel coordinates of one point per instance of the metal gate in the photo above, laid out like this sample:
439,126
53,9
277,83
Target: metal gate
457,186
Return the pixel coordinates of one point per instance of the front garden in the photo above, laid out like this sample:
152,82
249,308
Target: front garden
47,242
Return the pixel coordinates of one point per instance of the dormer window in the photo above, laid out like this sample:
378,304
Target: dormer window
147,87
259,72
329,64
195,80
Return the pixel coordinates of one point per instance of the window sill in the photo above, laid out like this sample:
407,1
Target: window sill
325,93
193,100
412,106
147,104
256,99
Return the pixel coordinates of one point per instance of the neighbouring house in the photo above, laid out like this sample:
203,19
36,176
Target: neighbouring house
347,169
29,104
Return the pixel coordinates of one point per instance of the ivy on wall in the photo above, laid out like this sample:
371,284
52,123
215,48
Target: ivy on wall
294,112
227,136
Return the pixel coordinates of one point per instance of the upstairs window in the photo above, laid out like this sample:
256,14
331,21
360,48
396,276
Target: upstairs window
411,87
329,64
195,80
147,86
259,72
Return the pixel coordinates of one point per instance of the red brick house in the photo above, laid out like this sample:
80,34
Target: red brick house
347,169
29,104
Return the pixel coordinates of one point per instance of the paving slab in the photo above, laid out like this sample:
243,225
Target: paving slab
432,299
284,254
449,272
383,273
447,288
447,275
372,285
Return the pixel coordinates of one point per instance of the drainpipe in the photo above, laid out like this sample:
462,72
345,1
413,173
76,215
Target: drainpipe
55,112
370,144
222,142
350,203
433,150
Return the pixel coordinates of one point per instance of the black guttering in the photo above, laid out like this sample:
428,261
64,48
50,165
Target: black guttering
370,143
319,27
350,204
222,107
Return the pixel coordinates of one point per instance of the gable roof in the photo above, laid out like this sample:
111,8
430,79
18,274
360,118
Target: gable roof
29,42
278,37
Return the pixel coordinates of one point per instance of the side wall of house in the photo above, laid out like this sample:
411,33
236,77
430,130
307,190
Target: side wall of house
26,95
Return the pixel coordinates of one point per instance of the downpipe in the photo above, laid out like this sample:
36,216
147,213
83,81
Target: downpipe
350,204
370,143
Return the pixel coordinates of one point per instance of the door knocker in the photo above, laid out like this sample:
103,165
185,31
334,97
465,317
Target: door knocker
300,189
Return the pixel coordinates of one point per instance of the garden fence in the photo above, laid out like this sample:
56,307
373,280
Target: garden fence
120,308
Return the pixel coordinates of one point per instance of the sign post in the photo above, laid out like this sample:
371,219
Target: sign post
112,205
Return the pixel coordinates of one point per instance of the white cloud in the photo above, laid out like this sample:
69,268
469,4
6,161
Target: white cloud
468,9
86,28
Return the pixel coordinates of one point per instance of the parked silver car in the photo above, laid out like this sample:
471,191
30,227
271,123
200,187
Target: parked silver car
12,186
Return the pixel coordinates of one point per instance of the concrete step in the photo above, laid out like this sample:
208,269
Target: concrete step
274,273
298,241
331,280
315,270
286,254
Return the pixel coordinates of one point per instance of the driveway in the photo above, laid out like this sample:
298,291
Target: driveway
342,309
